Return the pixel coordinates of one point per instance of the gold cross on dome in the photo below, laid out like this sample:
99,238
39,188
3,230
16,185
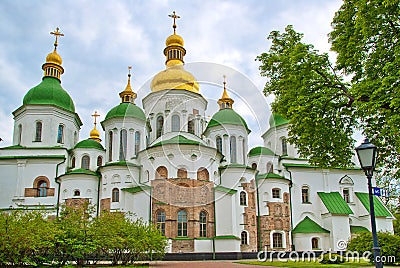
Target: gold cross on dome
174,16
56,33
95,115
129,70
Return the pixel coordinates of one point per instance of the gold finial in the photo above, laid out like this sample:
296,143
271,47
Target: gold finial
56,33
225,102
174,16
128,95
95,134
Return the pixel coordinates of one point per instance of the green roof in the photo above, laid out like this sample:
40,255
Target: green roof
177,140
121,163
136,189
5,157
225,190
335,203
277,120
358,229
312,166
89,143
260,151
49,92
379,208
81,171
227,117
307,225
270,176
126,109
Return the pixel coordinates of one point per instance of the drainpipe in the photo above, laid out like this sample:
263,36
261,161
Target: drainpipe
98,193
291,211
59,187
259,238
215,225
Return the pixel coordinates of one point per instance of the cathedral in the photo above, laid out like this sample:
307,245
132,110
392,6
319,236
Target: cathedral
194,177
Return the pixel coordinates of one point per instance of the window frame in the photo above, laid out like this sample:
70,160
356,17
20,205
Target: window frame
38,131
305,197
277,240
84,157
182,223
175,123
274,191
115,195
203,224
243,198
123,144
42,190
244,238
160,220
60,133
233,149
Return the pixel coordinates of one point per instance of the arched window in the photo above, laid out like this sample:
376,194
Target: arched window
99,161
77,193
182,223
284,146
60,134
75,137
161,221
42,188
233,149
159,125
254,166
115,195
243,238
202,174
182,173
110,145
305,194
346,195
277,240
175,123
219,144
123,142
276,193
203,224
85,162
38,133
73,162
19,137
243,198
161,172
270,167
147,176
314,243
137,142
191,126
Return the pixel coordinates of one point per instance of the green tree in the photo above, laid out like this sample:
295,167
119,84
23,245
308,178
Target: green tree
389,244
326,102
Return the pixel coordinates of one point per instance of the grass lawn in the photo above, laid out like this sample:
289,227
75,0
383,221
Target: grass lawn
309,264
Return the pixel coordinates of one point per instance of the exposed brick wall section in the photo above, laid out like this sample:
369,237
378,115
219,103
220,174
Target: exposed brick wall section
278,220
183,246
105,204
173,195
76,202
250,217
33,192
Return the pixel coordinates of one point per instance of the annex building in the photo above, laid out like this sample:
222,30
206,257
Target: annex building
167,163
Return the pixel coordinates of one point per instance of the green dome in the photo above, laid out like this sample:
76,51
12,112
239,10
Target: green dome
260,151
126,109
49,92
89,143
227,117
277,120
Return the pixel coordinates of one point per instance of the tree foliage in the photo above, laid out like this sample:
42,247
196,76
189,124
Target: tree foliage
327,102
30,238
389,244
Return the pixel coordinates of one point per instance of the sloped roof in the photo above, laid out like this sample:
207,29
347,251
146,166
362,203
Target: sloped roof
379,208
307,225
335,203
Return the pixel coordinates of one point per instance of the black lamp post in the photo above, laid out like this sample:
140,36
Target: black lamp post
367,153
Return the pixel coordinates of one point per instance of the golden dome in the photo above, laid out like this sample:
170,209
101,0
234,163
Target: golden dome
94,134
53,57
174,40
174,77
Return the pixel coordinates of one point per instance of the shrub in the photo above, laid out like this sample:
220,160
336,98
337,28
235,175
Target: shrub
331,258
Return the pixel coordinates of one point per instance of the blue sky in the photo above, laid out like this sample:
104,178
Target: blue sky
103,37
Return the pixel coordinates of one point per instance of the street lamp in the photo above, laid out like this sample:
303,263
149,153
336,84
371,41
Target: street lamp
367,153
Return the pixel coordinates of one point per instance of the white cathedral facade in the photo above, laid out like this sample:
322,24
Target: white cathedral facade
166,163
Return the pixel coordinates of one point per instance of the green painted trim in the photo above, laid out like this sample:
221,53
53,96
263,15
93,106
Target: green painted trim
121,163
311,166
177,140
225,190
335,203
19,147
89,144
236,166
28,208
136,189
270,176
203,238
32,157
226,237
379,207
182,238
81,171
